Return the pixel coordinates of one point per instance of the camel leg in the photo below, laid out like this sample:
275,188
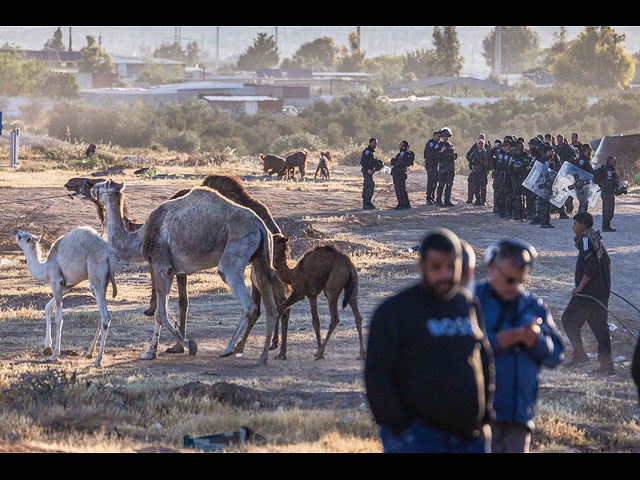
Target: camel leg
333,308
47,336
284,310
163,280
256,297
105,320
183,303
149,312
265,284
358,317
231,269
57,295
315,319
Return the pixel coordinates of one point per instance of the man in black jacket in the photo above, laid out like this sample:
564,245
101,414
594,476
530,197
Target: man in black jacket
399,165
593,279
429,371
446,169
370,164
478,158
431,154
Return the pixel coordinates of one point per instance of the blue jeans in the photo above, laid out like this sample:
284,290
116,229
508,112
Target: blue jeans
419,438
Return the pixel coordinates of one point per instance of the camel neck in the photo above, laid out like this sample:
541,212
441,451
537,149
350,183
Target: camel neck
37,268
127,245
282,266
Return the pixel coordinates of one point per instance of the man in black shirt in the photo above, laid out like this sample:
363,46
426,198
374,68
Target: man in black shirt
370,164
593,279
399,166
431,154
429,370
607,179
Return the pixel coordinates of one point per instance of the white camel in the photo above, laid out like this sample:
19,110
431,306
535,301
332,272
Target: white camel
79,255
200,230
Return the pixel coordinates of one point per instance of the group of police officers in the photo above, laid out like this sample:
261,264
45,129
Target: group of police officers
509,163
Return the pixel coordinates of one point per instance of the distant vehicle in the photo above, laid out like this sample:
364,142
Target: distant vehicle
290,110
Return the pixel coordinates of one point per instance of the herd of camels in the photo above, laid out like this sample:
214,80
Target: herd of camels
215,224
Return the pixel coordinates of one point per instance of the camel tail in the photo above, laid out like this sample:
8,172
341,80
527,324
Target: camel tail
113,265
351,287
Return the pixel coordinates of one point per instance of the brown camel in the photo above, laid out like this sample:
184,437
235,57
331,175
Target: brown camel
322,268
324,165
201,230
297,159
272,164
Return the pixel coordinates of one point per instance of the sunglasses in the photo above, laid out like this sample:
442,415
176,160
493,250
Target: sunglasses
509,280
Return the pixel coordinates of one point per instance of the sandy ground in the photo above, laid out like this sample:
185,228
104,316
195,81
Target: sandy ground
328,210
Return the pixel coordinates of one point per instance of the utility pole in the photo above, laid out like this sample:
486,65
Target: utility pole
498,51
359,42
70,39
217,49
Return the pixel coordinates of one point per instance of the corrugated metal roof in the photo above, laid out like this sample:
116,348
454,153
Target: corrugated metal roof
238,98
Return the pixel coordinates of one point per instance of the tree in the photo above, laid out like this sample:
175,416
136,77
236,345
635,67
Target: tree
193,54
595,58
60,85
19,76
520,48
55,43
320,54
420,63
354,61
94,59
262,54
170,51
447,58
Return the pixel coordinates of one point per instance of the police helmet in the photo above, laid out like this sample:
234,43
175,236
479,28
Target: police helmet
446,132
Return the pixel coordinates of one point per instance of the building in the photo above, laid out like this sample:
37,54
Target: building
129,68
445,83
249,105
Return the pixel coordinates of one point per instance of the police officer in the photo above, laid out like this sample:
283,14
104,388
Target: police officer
431,154
566,153
478,159
446,168
543,207
519,169
370,164
584,162
508,196
474,147
399,166
495,156
607,178
530,198
575,142
501,166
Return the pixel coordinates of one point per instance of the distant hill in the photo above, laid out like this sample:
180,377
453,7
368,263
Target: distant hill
136,41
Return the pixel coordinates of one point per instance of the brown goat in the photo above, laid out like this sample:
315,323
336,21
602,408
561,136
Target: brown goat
272,164
297,159
324,165
322,268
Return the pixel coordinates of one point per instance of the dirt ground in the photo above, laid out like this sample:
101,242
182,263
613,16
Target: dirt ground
380,242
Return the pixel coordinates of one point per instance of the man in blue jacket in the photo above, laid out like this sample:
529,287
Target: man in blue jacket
523,338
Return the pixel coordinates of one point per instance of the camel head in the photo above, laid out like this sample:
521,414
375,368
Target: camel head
100,190
25,240
280,247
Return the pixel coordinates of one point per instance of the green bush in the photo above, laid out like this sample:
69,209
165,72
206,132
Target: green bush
297,141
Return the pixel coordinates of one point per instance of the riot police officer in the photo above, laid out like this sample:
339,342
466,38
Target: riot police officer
509,192
607,178
479,167
566,153
399,166
495,157
519,169
474,147
370,164
543,207
431,154
446,168
584,162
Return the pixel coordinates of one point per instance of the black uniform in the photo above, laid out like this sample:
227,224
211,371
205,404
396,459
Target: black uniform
399,166
543,207
566,153
607,179
593,261
429,360
583,163
509,193
479,167
446,172
499,168
369,162
519,169
431,158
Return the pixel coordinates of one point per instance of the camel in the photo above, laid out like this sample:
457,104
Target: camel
322,268
195,232
79,255
297,159
272,164
233,189
324,165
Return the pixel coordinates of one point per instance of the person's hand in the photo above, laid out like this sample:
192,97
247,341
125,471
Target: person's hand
531,331
370,172
575,291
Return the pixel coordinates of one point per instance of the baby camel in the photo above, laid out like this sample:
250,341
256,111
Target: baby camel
322,268
79,255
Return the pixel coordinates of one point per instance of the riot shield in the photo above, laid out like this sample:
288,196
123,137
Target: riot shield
540,180
574,181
